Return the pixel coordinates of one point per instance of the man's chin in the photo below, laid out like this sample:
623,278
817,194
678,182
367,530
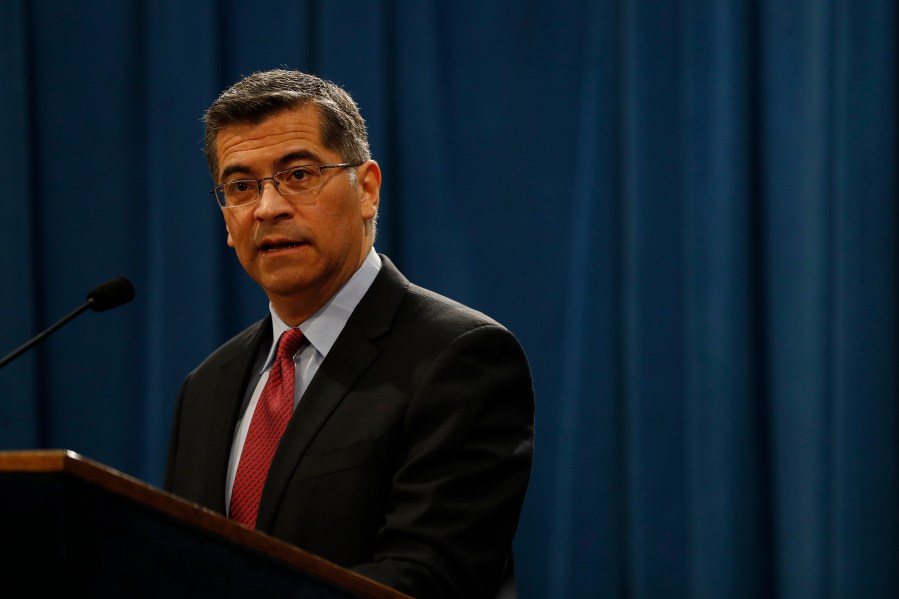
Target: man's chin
284,286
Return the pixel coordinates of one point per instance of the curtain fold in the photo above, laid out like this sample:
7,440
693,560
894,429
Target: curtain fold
20,410
686,211
729,524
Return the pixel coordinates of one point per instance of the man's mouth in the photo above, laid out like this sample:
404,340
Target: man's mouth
275,247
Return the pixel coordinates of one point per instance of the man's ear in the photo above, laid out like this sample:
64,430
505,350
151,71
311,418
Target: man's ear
368,180
230,239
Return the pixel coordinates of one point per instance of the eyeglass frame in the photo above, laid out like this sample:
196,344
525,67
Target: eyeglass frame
220,188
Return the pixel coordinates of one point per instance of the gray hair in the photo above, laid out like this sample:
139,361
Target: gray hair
260,95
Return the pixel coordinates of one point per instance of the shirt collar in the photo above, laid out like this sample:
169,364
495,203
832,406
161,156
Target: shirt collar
322,328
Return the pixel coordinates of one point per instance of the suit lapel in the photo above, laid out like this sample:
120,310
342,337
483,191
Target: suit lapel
231,384
350,357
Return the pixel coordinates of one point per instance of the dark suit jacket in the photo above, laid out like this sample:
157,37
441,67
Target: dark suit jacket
408,456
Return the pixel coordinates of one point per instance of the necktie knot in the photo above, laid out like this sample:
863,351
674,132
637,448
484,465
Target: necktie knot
289,343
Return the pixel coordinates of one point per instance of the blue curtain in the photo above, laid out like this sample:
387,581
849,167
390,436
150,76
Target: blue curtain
686,210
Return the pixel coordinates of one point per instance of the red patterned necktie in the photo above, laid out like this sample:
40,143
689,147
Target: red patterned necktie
270,418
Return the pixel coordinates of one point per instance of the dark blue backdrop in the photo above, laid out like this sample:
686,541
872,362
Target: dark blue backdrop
686,210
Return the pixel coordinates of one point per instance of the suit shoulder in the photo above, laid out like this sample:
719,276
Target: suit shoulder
442,312
236,345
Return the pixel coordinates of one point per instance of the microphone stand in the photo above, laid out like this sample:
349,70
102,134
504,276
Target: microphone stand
40,337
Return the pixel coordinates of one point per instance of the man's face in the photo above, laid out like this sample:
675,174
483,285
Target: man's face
299,251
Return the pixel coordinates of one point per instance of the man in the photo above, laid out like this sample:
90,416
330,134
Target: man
367,420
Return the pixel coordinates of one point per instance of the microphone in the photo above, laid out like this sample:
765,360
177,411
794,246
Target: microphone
111,294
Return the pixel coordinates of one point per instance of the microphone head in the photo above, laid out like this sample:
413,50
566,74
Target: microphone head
110,294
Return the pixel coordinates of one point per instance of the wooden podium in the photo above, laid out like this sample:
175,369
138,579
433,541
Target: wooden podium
73,525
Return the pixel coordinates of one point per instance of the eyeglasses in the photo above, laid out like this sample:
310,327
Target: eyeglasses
297,179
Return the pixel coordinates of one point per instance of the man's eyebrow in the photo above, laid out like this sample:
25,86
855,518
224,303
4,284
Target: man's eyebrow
306,156
232,169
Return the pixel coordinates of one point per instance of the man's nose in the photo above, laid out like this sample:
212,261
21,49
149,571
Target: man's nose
271,203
